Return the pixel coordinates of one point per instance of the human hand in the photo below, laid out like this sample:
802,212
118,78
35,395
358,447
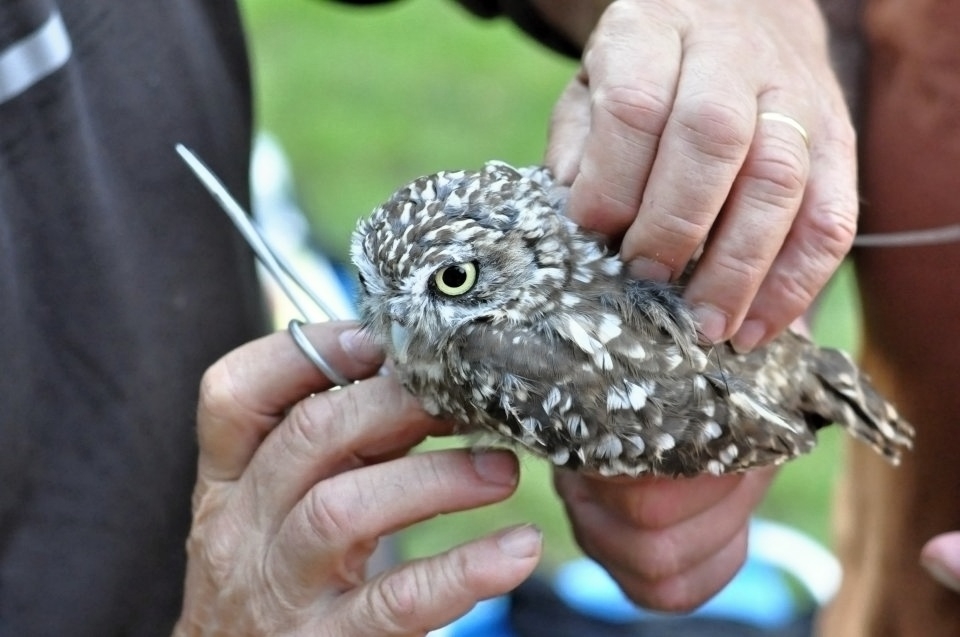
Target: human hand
941,557
663,138
296,484
669,544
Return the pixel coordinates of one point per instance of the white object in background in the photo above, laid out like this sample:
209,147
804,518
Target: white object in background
285,228
816,568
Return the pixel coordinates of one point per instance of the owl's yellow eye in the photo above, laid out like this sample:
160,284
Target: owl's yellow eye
455,280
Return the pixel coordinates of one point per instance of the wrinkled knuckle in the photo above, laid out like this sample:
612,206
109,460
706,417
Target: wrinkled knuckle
317,423
780,169
642,109
330,518
215,548
796,293
675,232
303,428
834,226
423,587
594,208
719,130
218,391
840,135
395,598
744,272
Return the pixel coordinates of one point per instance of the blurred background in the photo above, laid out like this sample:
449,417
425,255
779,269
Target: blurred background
363,99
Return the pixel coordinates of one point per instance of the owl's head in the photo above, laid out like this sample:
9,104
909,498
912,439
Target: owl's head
457,247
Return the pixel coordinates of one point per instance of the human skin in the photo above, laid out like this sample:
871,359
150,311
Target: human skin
297,483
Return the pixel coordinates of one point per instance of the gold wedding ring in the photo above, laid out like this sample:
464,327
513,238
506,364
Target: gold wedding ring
770,116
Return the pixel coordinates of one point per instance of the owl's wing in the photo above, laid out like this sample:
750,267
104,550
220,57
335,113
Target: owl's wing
536,385
705,412
621,416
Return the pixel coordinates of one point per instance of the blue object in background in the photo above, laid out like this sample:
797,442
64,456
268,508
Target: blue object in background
759,595
489,618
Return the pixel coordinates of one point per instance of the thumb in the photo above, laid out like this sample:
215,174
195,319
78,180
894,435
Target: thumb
941,557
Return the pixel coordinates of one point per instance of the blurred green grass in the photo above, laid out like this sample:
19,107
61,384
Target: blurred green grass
364,99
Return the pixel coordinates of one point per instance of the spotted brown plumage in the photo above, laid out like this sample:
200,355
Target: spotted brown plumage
501,313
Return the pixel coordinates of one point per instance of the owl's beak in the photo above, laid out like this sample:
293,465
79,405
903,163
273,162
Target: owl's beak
400,336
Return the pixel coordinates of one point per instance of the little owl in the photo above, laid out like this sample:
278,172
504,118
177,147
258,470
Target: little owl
502,314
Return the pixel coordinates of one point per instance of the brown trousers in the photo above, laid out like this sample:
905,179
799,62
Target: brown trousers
910,172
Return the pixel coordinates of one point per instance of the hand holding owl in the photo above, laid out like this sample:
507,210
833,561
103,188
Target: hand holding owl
662,139
296,484
684,124
669,544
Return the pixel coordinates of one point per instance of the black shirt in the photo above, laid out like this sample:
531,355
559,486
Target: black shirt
120,282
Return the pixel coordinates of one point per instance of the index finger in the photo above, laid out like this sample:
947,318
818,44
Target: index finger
705,142
632,67
247,392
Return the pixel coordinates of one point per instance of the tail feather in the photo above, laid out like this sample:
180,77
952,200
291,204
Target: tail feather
851,401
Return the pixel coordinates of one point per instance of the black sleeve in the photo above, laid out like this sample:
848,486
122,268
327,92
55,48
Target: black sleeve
523,14
120,282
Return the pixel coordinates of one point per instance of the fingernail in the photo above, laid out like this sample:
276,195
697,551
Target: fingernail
521,541
747,337
711,322
359,344
496,467
942,572
645,269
